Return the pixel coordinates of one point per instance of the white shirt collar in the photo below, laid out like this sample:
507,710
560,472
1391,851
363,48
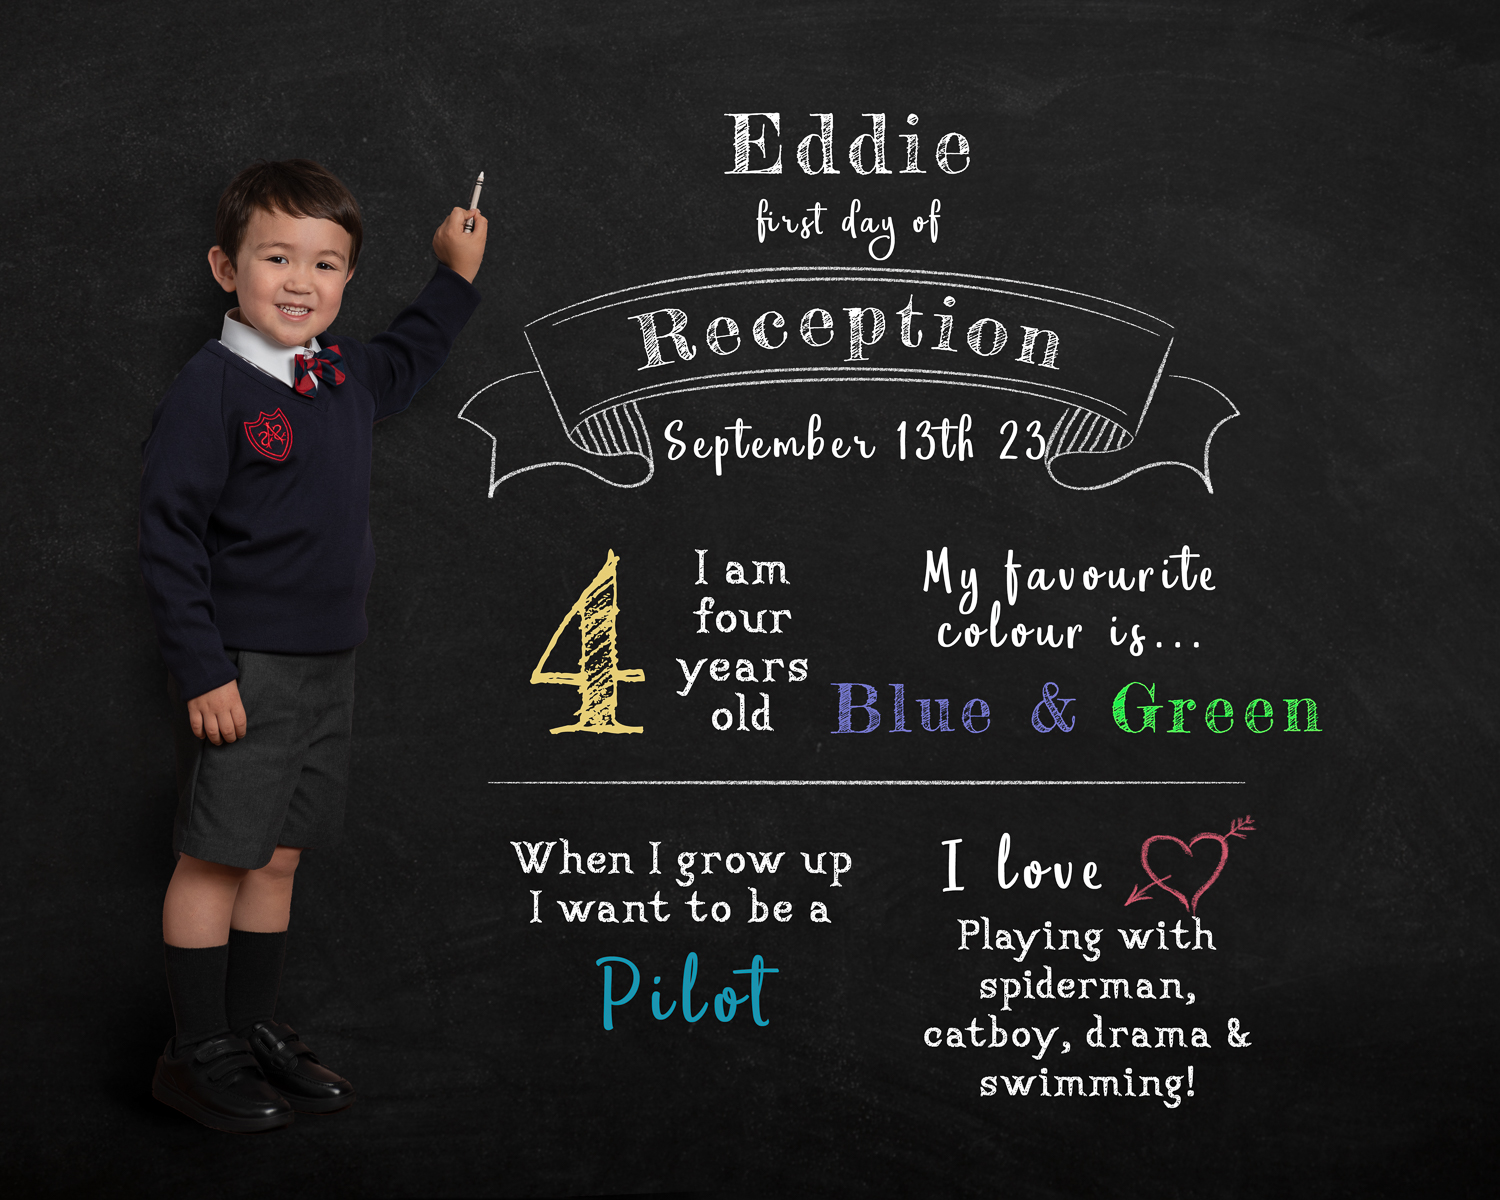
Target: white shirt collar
260,351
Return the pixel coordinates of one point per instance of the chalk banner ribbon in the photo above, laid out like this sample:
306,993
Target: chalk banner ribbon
1102,364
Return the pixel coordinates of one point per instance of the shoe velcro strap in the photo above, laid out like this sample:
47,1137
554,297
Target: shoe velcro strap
228,1056
217,1047
279,1045
232,1064
296,1045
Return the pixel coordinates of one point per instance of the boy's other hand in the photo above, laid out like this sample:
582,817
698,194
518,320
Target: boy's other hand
218,715
459,251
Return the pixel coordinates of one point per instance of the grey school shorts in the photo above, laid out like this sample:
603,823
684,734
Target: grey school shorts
284,782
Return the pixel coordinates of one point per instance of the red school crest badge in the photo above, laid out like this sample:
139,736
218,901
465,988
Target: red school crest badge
271,435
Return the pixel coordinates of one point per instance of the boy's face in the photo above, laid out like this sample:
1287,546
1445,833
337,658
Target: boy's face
289,274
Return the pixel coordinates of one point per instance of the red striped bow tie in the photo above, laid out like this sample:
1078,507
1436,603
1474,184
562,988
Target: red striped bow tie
326,365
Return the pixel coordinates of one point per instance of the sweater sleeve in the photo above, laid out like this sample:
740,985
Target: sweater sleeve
186,463
401,360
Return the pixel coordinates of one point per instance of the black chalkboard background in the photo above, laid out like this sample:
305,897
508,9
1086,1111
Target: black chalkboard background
1306,192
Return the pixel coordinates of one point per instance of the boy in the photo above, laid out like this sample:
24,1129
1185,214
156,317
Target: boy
256,551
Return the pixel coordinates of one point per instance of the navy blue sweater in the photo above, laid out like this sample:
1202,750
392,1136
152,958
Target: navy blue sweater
255,501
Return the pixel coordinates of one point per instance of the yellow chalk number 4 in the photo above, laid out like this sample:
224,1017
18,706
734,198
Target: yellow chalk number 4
598,676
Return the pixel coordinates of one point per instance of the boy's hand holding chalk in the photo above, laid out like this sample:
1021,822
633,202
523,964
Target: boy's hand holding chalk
474,202
459,241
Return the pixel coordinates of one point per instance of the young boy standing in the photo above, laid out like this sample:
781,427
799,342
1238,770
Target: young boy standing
256,550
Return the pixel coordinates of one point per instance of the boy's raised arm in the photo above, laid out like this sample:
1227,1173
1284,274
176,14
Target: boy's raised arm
409,353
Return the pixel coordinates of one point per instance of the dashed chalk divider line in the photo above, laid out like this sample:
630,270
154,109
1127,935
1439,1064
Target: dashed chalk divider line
868,782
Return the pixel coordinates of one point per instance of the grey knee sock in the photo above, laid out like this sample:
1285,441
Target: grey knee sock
195,978
255,961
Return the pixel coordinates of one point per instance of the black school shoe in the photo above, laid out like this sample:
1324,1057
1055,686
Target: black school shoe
294,1070
219,1084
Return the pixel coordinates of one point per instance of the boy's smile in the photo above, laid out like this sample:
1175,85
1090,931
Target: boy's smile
289,275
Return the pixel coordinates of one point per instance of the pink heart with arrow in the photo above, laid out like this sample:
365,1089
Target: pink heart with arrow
1239,828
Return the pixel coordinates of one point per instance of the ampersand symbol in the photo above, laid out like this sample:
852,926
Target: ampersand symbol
1236,1038
1049,694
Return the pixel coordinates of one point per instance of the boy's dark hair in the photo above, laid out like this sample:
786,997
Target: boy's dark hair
297,187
